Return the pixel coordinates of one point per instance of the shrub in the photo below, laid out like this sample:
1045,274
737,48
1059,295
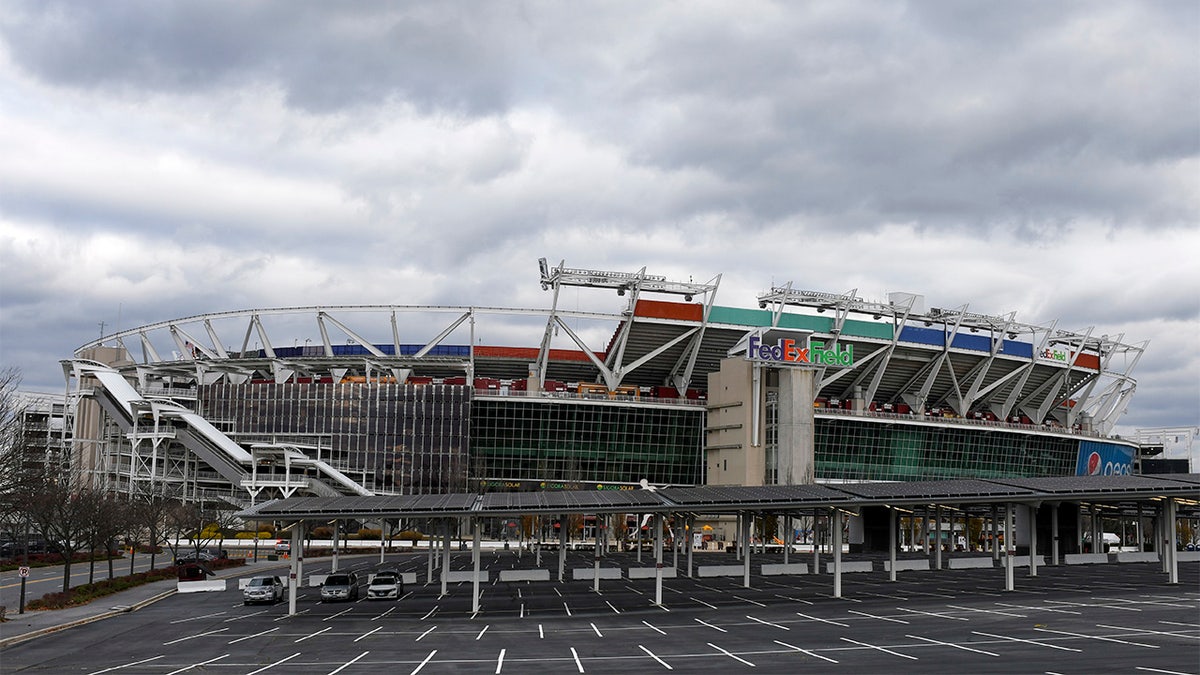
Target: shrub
85,593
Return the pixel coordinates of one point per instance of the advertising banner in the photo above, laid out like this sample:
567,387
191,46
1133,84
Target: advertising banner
1103,459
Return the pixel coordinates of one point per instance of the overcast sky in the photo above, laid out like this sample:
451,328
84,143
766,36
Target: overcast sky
164,159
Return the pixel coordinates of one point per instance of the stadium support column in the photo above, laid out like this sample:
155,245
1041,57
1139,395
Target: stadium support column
333,566
796,455
1054,533
1170,527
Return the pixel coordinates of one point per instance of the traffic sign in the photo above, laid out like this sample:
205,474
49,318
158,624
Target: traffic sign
23,572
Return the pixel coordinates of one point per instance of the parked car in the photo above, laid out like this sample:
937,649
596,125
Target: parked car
263,589
386,585
340,587
282,546
194,557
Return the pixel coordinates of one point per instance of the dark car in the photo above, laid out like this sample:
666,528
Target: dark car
340,587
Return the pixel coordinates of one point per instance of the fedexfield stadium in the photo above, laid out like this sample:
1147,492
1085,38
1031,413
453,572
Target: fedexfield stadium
672,388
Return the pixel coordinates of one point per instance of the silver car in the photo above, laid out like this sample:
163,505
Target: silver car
340,587
263,589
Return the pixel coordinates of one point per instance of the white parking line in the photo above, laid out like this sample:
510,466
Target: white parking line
288,616
195,665
951,644
500,662
1103,605
1029,642
661,631
313,634
705,623
1156,670
1039,609
425,633
749,601
791,599
347,664
873,616
882,649
126,665
367,634
567,608
283,660
704,603
270,630
1177,634
541,634
390,610
190,637
987,611
598,633
651,654
245,616
767,623
937,614
732,656
485,629
334,616
197,618
805,651
578,663
422,664
1095,637
430,613
614,609
817,618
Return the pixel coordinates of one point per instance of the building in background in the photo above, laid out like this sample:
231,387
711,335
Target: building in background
263,403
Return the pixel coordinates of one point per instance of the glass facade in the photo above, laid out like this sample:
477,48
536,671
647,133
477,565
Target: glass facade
519,439
392,438
857,449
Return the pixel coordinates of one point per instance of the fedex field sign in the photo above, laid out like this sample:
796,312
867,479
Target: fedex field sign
791,352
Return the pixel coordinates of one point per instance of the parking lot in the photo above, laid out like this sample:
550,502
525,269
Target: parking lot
1068,619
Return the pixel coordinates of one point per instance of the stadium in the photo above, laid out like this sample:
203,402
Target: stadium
669,389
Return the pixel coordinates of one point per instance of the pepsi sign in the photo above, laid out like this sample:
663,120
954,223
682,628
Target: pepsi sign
1103,459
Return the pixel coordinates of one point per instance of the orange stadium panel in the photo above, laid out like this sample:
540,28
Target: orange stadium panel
530,353
1090,361
657,309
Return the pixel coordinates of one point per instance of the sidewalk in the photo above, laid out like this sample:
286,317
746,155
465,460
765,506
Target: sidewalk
33,624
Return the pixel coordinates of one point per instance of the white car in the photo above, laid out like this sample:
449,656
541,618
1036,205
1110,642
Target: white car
263,589
385,586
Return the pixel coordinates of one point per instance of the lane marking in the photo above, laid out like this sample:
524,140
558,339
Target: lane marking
730,655
987,611
197,618
815,618
654,628
567,608
1156,670
485,629
126,665
1177,634
703,603
937,614
951,644
1039,609
425,633
194,665
283,660
422,664
791,599
1030,642
288,616
598,633
430,613
749,601
711,626
805,651
664,663
334,616
882,649
1095,637
614,609
367,634
500,662
881,618
390,610
269,630
211,632
767,623
578,663
347,664
313,634
541,634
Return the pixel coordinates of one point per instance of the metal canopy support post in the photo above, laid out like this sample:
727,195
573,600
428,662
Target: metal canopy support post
562,546
835,524
1169,542
475,562
1054,534
1008,548
892,543
445,554
937,538
658,558
676,536
296,573
691,538
638,536
816,546
1138,530
596,558
747,520
383,524
1033,542
995,534
333,567
787,538
431,545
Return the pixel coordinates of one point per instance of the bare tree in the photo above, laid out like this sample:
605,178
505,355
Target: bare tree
63,512
149,520
16,473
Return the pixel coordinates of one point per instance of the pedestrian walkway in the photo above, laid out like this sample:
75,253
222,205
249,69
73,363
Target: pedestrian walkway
32,624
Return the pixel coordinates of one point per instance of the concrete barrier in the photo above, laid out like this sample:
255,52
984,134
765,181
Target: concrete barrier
649,573
581,573
315,580
853,566
1085,558
968,563
907,565
720,571
1023,561
408,577
1136,556
780,569
524,575
201,586
467,575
